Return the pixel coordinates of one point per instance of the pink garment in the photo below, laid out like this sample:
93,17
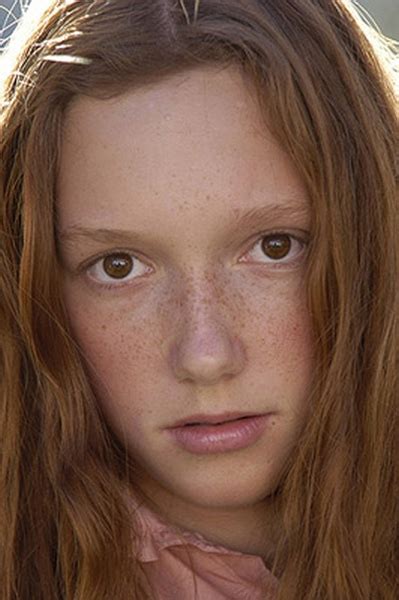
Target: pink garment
211,571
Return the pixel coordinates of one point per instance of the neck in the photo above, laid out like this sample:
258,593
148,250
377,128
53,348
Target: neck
250,529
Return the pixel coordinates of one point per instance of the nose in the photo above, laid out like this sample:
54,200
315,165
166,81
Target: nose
205,349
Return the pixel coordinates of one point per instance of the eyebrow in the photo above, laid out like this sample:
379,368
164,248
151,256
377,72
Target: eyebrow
298,212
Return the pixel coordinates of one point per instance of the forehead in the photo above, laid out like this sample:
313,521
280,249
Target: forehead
219,91
194,146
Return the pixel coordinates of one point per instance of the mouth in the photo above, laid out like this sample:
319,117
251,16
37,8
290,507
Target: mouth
209,420
217,423
215,435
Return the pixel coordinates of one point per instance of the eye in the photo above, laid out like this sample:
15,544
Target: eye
281,248
119,266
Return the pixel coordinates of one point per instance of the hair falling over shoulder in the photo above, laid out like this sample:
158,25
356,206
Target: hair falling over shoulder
327,84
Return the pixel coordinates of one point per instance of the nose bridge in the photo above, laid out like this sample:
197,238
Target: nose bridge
205,345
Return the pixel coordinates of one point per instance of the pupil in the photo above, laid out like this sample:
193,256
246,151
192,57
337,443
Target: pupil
276,246
118,265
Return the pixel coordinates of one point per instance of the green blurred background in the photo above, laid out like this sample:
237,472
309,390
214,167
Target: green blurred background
385,13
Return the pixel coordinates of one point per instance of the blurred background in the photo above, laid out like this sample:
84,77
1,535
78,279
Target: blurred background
384,12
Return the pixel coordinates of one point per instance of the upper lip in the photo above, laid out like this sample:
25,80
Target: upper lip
221,418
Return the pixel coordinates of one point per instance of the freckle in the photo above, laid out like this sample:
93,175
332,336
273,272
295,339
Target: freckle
104,327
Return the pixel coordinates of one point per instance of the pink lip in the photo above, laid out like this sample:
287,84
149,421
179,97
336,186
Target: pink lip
231,435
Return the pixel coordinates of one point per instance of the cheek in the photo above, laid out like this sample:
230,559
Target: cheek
120,354
281,359
281,330
288,341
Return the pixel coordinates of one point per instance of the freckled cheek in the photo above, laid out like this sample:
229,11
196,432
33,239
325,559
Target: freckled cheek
281,328
119,350
126,350
291,335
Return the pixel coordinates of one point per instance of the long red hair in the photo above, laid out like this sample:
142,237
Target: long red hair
326,84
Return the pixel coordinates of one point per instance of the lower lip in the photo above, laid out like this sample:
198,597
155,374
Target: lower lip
232,435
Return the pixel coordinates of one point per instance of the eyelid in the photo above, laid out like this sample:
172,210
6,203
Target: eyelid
301,235
94,260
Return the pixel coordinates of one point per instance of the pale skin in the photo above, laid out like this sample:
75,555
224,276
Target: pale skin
204,320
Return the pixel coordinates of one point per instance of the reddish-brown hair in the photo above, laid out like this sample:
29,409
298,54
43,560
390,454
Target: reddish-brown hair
325,85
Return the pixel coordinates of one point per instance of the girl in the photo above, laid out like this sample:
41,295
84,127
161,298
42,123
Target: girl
199,245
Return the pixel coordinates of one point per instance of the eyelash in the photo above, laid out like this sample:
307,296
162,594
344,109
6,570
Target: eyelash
278,264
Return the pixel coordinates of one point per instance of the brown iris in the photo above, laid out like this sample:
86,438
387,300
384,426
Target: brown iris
118,266
276,246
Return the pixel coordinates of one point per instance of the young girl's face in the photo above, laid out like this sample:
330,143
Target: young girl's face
183,229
